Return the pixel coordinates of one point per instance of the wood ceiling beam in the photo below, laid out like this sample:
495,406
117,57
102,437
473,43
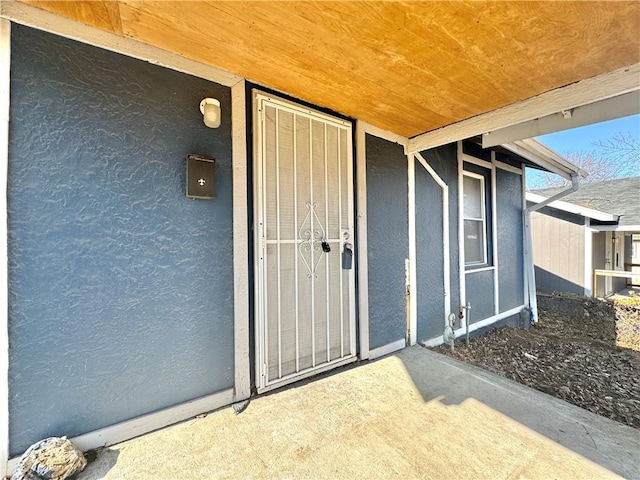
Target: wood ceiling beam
602,111
590,90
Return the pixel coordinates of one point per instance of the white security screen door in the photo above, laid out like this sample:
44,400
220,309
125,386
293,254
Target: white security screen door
305,300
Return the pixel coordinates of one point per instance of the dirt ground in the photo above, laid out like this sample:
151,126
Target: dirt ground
585,351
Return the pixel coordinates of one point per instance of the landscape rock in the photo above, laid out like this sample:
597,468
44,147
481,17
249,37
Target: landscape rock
54,458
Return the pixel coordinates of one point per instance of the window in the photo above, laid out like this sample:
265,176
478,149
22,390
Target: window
475,223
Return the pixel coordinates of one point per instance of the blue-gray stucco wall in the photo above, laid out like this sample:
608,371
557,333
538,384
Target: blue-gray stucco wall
121,289
479,286
388,242
429,242
479,291
510,240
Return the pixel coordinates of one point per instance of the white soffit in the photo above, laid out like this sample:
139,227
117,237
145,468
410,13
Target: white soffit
572,208
601,111
584,92
543,156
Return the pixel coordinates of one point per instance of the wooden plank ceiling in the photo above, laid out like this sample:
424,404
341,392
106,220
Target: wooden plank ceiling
408,67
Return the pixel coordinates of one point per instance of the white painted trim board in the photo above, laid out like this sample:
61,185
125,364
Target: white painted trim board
583,92
384,134
446,254
361,226
242,385
459,332
494,234
508,168
412,311
147,423
5,60
609,109
387,349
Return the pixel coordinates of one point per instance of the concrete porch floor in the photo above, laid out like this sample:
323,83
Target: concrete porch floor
414,414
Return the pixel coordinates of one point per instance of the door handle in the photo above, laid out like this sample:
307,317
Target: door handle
347,256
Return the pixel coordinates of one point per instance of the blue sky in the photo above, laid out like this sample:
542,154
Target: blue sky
582,140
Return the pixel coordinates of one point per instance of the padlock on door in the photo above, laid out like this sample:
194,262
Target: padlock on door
347,256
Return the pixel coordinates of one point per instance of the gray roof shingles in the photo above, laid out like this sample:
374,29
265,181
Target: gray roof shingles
619,197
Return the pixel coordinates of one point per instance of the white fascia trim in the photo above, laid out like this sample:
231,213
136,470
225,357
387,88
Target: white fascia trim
543,156
5,60
242,383
460,332
583,92
601,111
572,208
616,228
387,349
546,153
147,423
65,27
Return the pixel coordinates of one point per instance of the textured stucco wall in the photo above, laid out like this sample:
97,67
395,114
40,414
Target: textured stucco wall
479,291
479,286
429,251
510,240
121,289
388,243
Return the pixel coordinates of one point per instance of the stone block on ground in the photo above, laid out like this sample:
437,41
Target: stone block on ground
54,458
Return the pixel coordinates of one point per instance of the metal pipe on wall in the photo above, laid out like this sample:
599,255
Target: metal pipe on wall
529,262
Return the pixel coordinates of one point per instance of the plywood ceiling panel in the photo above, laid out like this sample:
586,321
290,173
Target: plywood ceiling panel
100,14
408,67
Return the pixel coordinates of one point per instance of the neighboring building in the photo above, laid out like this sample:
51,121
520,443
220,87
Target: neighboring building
596,227
136,297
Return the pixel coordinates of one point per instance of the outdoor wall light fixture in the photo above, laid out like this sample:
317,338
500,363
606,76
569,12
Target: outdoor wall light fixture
210,108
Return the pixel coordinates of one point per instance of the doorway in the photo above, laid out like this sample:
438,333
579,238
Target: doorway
304,230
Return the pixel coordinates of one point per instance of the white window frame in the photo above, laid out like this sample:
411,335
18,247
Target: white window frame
483,219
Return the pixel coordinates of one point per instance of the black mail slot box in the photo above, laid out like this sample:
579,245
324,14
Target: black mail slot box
200,176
